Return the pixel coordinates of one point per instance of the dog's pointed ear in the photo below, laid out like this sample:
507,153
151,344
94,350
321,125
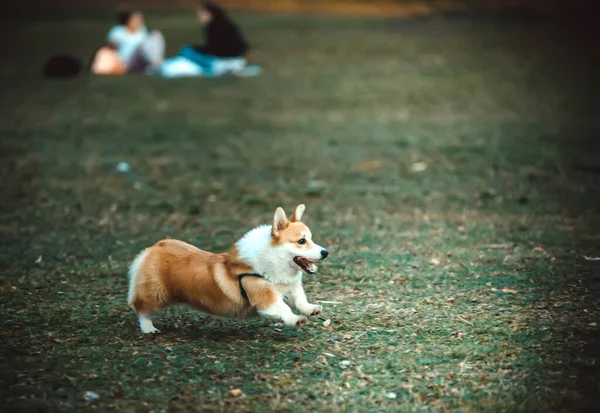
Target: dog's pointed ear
298,212
280,222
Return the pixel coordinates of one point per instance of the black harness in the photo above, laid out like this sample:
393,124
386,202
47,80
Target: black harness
248,274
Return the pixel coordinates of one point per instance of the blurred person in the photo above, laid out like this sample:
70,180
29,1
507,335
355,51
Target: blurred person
224,52
223,37
106,61
136,49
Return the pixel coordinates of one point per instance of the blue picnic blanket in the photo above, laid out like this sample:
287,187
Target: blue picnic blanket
190,62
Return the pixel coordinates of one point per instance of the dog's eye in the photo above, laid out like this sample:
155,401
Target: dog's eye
302,241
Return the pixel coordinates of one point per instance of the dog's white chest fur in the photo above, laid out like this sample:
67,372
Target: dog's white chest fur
272,262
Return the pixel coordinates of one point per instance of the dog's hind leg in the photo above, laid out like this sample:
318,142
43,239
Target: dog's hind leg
144,309
137,300
146,325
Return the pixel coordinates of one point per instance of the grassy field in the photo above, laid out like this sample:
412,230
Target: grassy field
449,167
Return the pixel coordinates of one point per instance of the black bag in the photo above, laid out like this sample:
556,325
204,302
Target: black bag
62,66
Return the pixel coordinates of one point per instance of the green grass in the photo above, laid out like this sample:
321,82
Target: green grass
462,286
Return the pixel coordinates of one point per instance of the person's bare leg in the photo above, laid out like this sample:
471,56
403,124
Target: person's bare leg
149,54
154,48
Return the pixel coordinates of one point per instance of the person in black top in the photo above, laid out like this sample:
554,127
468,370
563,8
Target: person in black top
223,36
225,49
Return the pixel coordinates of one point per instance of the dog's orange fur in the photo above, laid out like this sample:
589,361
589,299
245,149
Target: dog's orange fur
176,272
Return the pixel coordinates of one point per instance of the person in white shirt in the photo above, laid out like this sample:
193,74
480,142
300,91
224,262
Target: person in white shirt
137,48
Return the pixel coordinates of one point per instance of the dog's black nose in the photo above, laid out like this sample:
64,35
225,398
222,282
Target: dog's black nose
324,253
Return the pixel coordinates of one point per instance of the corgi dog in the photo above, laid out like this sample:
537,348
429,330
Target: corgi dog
253,278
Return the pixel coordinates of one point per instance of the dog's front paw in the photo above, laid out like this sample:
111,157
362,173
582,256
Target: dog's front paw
317,309
312,310
299,320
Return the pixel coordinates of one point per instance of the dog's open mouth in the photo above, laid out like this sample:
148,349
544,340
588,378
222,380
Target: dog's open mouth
308,266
